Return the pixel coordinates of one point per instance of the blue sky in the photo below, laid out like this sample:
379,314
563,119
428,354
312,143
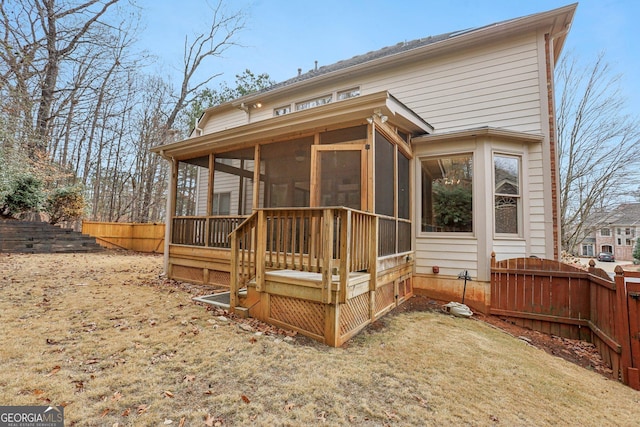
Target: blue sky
283,35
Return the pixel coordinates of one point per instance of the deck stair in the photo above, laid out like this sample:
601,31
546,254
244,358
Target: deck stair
40,237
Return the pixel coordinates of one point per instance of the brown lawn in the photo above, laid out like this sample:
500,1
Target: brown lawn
102,335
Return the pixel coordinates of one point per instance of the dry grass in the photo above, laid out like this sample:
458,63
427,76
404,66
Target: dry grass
79,330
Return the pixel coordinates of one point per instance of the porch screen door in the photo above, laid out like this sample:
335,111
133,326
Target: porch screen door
338,175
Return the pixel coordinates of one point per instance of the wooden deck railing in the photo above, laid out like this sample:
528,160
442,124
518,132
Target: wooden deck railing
205,231
395,236
330,241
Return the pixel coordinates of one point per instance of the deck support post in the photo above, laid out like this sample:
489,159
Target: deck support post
345,254
327,254
260,249
233,280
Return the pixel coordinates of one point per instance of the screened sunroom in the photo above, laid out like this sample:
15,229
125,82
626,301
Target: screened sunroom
306,216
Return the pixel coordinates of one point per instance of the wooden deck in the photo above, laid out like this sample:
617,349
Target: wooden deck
324,272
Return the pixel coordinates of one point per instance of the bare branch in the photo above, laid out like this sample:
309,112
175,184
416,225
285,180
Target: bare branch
598,144
220,37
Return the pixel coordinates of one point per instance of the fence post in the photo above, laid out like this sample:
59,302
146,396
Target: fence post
622,324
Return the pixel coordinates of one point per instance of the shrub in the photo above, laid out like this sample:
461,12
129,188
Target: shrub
636,250
25,195
65,204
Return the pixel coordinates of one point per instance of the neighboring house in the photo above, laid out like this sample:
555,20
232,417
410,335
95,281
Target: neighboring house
615,232
441,150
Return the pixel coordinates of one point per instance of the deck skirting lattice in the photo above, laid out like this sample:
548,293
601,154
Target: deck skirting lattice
384,297
299,313
354,313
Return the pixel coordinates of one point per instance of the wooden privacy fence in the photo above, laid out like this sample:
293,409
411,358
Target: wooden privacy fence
125,235
559,299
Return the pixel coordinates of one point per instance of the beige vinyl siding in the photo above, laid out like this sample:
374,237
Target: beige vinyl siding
509,248
534,187
227,120
201,197
452,254
224,183
495,86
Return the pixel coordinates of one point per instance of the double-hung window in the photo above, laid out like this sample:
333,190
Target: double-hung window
507,194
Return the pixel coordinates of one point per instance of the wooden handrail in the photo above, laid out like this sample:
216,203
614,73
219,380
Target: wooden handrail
323,240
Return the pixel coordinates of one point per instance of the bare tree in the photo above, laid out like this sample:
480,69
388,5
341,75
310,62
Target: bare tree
59,43
221,36
598,144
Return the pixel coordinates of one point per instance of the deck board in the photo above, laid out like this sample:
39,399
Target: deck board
297,277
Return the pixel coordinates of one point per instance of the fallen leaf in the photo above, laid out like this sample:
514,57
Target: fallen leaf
245,399
167,422
209,420
104,413
183,420
117,396
167,393
322,416
38,392
126,412
253,340
53,371
91,361
142,409
189,378
288,407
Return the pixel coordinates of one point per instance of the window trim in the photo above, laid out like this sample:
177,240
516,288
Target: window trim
333,96
519,197
419,201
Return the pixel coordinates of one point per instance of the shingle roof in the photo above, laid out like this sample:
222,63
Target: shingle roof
369,56
625,214
386,52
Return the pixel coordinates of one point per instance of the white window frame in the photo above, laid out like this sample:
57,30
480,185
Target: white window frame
353,92
286,109
608,232
448,154
518,197
314,102
338,95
